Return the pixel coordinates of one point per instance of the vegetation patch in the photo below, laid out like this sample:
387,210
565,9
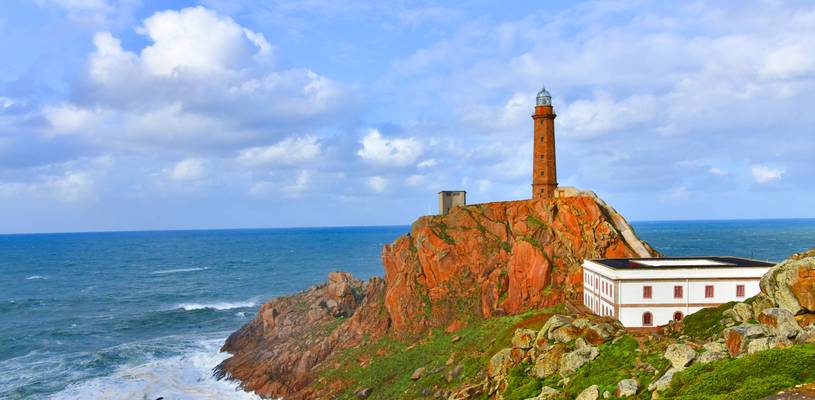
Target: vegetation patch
386,365
705,322
750,377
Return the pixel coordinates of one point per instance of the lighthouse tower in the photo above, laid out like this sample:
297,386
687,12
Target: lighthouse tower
544,169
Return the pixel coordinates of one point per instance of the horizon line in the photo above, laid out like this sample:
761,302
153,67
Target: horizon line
356,226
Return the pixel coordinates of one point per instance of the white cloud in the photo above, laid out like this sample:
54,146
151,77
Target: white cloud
197,39
718,171
69,118
764,174
291,151
377,183
379,150
429,163
92,11
300,184
190,169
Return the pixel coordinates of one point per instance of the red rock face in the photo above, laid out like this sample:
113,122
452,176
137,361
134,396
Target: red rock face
476,262
495,258
804,288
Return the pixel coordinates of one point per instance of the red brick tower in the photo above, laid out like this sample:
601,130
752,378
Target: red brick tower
544,169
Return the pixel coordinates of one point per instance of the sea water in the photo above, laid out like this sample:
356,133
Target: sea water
141,315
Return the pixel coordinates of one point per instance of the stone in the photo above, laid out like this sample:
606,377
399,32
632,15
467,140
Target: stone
805,320
581,323
781,319
680,355
759,303
599,333
554,322
417,374
758,344
454,373
363,393
564,334
572,361
737,337
742,312
548,393
791,285
627,387
467,392
710,356
499,363
714,347
663,382
524,338
548,363
590,393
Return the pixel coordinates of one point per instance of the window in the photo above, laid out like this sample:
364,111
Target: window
709,291
646,292
647,319
678,316
677,292
739,290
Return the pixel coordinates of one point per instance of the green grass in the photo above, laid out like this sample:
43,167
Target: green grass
750,377
520,385
615,363
705,322
391,362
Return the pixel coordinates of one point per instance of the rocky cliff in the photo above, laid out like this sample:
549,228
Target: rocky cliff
499,258
479,261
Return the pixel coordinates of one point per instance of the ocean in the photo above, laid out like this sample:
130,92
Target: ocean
141,315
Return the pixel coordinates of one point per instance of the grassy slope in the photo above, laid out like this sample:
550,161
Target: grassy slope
750,377
386,366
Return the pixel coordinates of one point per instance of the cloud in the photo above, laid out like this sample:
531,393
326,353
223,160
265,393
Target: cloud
88,11
415,180
717,171
429,163
377,183
764,174
290,151
190,169
398,152
203,82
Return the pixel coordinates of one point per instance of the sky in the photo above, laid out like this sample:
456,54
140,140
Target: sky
142,115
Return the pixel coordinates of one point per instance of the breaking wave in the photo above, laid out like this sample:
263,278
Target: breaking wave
217,306
173,271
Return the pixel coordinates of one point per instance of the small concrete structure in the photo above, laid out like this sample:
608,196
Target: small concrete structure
451,198
648,292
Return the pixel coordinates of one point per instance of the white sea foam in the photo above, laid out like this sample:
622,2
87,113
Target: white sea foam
35,277
183,377
217,306
173,271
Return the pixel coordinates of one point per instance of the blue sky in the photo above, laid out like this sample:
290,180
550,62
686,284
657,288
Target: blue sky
124,115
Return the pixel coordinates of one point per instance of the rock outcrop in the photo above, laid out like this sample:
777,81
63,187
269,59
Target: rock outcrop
499,258
791,284
274,355
476,262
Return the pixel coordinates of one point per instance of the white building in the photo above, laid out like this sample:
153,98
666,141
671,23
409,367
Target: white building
644,292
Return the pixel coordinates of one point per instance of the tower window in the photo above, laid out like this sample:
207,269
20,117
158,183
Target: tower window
646,292
543,173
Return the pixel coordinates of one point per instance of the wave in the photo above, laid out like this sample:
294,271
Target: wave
217,305
35,277
186,376
173,271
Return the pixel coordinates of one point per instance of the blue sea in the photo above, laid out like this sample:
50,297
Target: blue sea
141,315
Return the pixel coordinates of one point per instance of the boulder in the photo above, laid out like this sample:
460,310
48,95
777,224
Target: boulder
548,363
738,337
714,351
680,355
572,361
523,338
454,373
791,285
554,322
467,392
758,344
590,393
759,303
627,387
564,334
742,312
663,382
781,319
581,323
500,363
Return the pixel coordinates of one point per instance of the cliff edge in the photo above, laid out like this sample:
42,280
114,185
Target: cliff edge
478,261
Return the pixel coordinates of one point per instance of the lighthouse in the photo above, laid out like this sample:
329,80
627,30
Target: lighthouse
544,167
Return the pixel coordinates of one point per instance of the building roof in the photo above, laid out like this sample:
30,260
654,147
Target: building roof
680,262
453,191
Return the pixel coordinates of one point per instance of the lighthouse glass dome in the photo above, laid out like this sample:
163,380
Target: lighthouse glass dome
544,98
